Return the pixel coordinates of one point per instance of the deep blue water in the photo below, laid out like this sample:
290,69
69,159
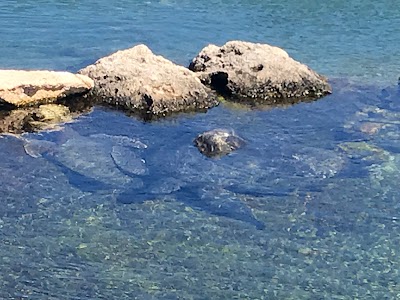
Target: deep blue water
308,209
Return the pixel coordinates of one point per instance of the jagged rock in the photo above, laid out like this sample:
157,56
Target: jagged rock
25,88
140,81
14,121
218,142
257,72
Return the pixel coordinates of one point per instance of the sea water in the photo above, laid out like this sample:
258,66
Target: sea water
308,209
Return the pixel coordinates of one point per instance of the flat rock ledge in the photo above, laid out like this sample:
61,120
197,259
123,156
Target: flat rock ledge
148,84
27,88
262,73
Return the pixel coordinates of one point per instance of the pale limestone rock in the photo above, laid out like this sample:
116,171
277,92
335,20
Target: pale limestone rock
25,88
140,81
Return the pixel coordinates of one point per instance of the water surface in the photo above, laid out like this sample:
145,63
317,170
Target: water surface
321,177
338,38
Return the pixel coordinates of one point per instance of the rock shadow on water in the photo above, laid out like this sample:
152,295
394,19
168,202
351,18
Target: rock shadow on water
185,175
77,179
103,163
91,163
217,202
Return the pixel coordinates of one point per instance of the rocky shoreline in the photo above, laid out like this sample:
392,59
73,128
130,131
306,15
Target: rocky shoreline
150,86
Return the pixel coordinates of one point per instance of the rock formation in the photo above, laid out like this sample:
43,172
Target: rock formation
26,88
142,82
259,73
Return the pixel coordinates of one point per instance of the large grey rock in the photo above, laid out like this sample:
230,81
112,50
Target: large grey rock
257,72
27,88
140,81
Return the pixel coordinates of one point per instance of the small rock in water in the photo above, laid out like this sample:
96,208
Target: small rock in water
218,142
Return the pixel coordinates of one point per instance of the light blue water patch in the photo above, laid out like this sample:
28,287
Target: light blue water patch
353,39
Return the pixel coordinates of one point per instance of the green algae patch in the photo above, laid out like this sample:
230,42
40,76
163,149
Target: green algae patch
364,150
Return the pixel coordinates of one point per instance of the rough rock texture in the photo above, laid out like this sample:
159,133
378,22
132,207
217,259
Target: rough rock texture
32,119
48,116
25,88
218,142
250,71
140,81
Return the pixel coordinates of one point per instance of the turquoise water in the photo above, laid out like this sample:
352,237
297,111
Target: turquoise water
338,38
308,209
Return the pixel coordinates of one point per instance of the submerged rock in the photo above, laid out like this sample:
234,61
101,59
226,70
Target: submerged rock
85,160
47,116
372,120
320,163
142,82
187,177
385,174
378,124
219,202
218,142
24,88
133,173
257,72
127,161
364,151
33,119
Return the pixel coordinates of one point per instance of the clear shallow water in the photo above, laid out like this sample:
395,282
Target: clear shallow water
322,177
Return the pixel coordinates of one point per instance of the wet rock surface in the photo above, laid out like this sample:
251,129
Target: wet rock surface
257,72
377,126
142,82
42,117
218,142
